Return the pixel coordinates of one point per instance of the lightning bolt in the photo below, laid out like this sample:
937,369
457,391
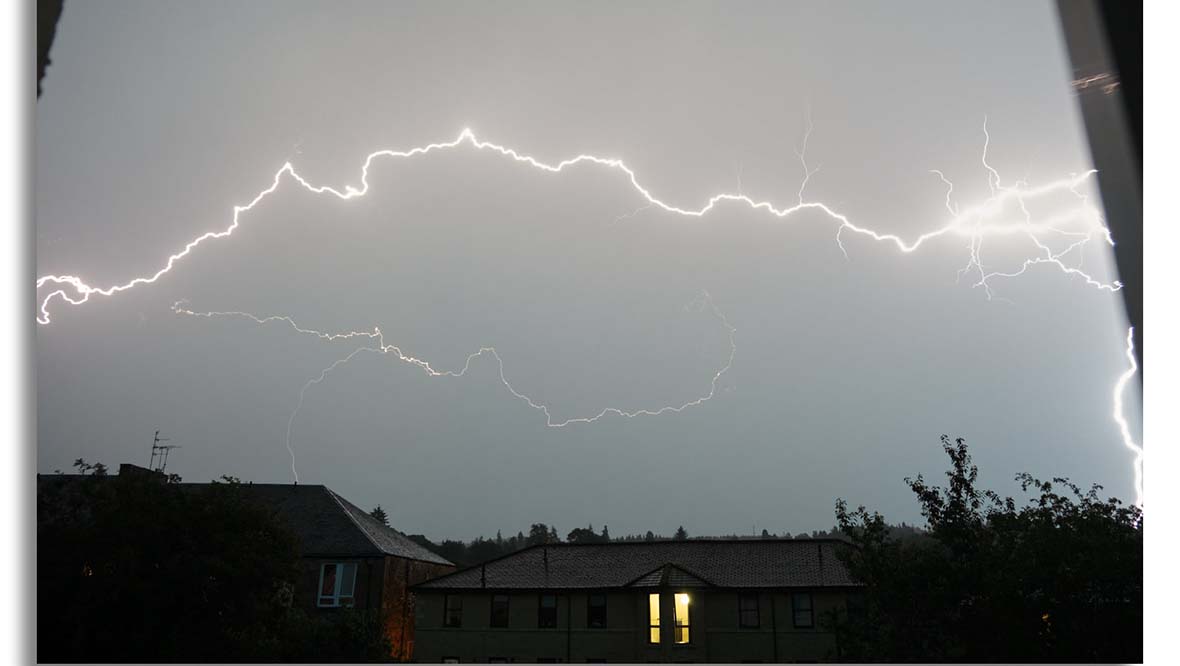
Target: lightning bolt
969,222
983,220
380,347
1120,388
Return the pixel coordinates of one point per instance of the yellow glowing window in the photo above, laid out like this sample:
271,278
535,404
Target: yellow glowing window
653,618
681,631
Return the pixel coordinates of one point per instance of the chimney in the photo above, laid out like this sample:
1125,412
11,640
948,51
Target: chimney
127,469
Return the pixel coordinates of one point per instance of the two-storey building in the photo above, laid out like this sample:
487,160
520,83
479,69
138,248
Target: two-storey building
764,600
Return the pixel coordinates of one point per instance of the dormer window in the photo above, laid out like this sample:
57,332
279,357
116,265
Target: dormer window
337,584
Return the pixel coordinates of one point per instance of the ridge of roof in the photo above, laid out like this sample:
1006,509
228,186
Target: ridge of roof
409,549
725,563
663,569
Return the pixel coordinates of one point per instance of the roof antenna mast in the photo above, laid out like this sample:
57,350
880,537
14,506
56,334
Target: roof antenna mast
160,451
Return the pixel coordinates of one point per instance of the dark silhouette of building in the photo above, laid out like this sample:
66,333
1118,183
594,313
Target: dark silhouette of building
350,559
724,600
347,558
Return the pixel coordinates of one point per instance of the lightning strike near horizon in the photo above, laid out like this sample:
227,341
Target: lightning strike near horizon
1120,418
705,302
994,217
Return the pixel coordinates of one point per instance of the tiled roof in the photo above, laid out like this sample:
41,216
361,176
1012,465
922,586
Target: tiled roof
752,563
670,575
327,524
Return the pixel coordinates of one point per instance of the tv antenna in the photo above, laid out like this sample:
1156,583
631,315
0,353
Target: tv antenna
160,452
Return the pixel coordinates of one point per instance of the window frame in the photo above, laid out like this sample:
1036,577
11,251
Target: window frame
542,621
337,599
452,610
796,610
593,610
744,612
492,615
677,625
654,637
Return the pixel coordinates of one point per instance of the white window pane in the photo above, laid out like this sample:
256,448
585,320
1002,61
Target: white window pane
347,579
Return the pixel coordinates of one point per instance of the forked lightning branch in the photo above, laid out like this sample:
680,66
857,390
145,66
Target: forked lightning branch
1054,238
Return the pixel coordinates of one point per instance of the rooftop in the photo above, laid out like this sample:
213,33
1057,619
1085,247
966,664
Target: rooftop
326,524
329,525
729,563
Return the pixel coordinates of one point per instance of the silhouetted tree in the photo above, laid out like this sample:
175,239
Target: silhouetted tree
681,534
133,568
538,534
1059,579
584,535
379,514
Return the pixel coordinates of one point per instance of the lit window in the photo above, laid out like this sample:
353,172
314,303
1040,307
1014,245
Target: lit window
453,611
748,611
680,633
596,611
547,611
801,608
653,618
499,610
337,584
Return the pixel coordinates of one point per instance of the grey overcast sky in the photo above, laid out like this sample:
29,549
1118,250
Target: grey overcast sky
158,117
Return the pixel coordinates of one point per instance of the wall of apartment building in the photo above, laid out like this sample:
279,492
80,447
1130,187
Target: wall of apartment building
776,638
714,631
397,601
370,572
382,586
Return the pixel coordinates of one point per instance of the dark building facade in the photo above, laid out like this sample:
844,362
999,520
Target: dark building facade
350,559
765,600
347,558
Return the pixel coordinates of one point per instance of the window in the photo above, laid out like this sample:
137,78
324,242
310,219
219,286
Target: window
596,611
450,660
680,632
337,584
547,611
804,616
499,610
748,611
453,611
653,618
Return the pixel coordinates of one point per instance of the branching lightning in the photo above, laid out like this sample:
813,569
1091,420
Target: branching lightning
970,222
379,346
991,218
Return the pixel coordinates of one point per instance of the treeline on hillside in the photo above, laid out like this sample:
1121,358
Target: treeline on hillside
1059,579
482,549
